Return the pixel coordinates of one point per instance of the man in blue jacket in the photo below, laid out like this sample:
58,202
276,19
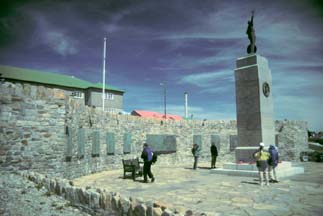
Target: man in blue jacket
147,156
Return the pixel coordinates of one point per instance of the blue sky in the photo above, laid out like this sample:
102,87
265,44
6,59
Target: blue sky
192,45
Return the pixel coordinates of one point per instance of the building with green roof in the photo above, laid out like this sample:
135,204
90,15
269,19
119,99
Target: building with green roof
90,93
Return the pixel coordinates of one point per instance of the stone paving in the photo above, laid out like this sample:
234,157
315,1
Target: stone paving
184,189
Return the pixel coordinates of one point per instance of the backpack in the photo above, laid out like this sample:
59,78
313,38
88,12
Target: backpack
154,159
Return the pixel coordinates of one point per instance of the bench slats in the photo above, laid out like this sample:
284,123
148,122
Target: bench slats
132,166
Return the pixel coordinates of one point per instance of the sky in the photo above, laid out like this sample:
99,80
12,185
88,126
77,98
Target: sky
190,45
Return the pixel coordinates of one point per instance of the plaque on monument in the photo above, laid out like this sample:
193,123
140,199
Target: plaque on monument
197,139
80,143
69,144
162,143
96,143
110,143
216,139
127,143
277,140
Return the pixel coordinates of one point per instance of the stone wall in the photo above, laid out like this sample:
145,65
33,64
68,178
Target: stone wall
292,139
37,123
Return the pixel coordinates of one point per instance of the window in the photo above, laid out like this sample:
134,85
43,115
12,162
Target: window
77,94
109,96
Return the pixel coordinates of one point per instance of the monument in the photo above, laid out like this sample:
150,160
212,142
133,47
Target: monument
253,100
254,103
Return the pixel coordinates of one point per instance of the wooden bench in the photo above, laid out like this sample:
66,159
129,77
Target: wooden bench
132,166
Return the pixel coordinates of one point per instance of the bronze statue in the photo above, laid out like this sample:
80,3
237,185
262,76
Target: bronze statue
251,36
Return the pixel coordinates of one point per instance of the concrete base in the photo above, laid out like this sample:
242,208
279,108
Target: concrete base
284,169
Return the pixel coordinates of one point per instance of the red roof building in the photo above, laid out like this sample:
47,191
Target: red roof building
155,115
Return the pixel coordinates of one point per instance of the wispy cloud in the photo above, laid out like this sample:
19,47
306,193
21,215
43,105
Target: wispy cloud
60,43
207,79
295,83
57,39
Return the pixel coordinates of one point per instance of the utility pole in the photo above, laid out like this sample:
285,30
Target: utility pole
186,104
103,78
164,85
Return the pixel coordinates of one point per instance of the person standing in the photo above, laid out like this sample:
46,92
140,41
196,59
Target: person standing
262,157
147,156
214,154
273,162
196,153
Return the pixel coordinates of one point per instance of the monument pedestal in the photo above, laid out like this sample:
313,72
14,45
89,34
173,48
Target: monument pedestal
255,122
254,106
284,169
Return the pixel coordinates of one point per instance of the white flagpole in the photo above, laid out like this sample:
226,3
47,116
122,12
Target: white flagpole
103,81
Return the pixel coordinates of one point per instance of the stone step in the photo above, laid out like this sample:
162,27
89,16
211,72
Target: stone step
284,169
252,167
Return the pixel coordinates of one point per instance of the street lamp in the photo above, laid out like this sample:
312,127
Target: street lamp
164,85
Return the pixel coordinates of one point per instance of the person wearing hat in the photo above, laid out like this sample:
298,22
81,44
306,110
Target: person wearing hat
273,162
262,157
147,156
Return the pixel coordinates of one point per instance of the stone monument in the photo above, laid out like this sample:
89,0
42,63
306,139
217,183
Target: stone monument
253,100
255,122
254,106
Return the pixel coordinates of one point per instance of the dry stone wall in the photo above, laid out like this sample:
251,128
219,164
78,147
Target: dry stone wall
40,131
101,202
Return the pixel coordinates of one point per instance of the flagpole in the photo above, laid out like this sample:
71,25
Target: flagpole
103,81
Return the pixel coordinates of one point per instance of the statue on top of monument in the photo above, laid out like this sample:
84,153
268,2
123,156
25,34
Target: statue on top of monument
251,36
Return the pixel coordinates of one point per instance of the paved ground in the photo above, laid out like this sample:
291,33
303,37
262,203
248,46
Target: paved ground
214,194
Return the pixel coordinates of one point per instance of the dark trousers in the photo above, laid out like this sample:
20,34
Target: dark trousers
213,161
196,159
147,170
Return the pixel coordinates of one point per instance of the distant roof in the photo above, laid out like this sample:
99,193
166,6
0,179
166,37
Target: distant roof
42,77
155,115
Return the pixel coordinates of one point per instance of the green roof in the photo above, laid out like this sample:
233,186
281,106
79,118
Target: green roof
27,75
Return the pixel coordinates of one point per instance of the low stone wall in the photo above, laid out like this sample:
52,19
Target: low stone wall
37,124
292,139
100,202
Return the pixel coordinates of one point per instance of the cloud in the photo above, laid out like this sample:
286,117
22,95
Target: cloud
207,79
57,38
60,43
292,83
